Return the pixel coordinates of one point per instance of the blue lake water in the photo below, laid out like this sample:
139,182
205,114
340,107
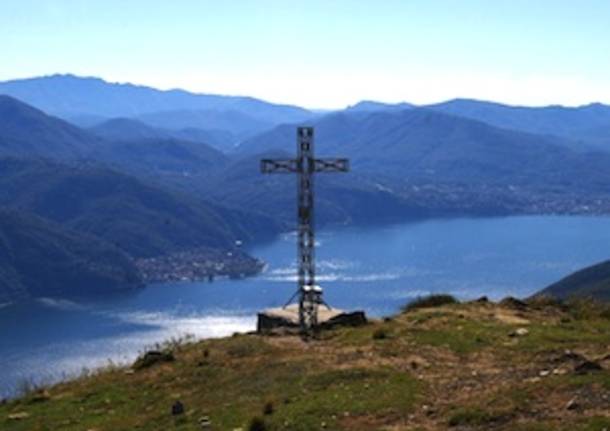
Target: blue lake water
376,269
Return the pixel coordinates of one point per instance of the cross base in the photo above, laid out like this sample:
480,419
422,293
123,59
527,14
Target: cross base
285,320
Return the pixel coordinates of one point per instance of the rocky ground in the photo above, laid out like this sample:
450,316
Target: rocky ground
474,366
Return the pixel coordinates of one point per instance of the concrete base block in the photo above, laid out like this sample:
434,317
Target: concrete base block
286,320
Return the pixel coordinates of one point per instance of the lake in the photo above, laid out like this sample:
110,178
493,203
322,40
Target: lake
376,269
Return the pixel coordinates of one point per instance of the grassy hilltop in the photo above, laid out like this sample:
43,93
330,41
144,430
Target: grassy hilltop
472,366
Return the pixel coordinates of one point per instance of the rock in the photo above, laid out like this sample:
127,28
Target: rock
569,356
40,396
572,404
587,367
177,408
18,416
514,303
151,358
519,332
205,422
544,373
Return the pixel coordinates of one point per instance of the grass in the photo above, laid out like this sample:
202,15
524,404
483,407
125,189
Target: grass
451,365
470,417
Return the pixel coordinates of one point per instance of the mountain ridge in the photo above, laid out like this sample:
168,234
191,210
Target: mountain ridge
58,94
590,282
40,258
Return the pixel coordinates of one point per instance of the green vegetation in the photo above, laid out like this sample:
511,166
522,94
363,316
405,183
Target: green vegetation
40,258
144,220
590,282
471,366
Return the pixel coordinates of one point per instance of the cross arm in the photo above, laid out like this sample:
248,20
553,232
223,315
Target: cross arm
270,166
331,165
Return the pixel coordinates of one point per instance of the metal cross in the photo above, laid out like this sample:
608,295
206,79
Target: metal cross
305,165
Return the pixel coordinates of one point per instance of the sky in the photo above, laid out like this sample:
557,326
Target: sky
322,53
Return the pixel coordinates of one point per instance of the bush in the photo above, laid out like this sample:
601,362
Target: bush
257,424
470,417
587,308
380,334
268,408
430,301
544,301
151,358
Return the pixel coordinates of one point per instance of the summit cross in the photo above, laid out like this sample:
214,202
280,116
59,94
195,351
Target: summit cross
305,165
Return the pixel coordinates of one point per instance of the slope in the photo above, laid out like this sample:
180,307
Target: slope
25,130
39,258
590,282
144,220
456,367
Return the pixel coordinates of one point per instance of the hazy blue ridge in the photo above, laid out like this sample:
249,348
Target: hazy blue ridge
424,145
584,125
70,96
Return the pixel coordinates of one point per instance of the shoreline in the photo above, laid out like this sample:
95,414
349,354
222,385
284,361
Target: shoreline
202,264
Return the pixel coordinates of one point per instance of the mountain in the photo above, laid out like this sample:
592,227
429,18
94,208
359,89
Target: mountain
222,140
129,129
72,96
136,147
161,157
587,123
39,258
421,145
372,106
590,282
340,198
237,123
141,219
27,131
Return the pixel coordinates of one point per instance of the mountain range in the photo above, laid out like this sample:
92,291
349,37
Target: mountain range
587,125
153,172
420,144
69,96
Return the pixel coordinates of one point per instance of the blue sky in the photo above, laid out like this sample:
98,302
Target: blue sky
322,54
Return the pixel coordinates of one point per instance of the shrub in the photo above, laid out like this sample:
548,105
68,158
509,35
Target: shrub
470,417
380,334
587,308
430,301
268,408
151,358
257,424
544,301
